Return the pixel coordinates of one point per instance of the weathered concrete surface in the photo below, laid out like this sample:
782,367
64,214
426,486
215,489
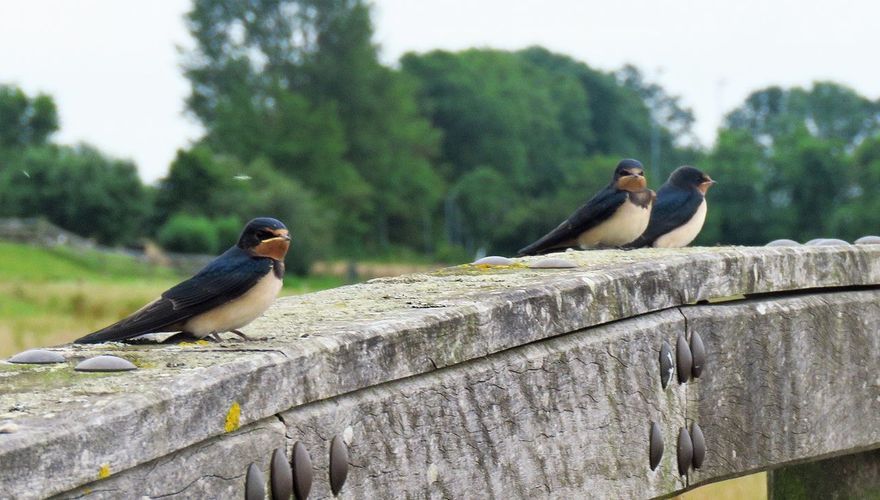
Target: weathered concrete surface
213,469
787,379
570,415
327,344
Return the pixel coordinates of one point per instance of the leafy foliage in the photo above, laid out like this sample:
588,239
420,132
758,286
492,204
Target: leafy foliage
77,188
190,234
451,154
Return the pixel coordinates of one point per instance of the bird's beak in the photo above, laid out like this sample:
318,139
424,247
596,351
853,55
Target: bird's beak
706,184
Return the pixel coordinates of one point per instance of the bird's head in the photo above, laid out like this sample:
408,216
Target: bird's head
689,177
630,176
265,237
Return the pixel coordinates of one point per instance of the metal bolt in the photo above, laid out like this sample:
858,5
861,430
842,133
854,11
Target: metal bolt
655,450
667,366
684,359
37,357
685,451
280,477
105,364
553,263
493,260
868,240
699,445
783,243
338,464
698,352
302,471
254,484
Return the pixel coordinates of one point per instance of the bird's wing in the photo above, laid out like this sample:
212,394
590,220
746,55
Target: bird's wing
598,209
225,278
672,208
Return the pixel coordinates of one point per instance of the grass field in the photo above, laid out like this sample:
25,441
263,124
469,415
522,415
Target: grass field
52,296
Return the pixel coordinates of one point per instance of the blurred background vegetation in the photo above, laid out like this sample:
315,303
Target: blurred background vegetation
445,155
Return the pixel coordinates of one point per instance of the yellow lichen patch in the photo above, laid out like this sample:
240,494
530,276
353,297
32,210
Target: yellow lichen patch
197,342
104,471
233,416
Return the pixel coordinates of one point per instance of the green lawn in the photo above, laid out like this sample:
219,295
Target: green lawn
52,296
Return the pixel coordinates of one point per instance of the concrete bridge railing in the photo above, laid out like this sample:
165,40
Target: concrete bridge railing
480,382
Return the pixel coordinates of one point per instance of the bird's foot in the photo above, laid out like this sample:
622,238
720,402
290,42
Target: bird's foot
246,338
240,334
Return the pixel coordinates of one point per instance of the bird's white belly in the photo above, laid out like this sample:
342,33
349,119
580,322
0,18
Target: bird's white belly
627,224
238,312
685,233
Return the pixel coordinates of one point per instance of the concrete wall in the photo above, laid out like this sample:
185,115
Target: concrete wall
480,382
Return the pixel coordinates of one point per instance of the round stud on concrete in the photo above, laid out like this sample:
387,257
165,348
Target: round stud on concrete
254,484
105,363
493,260
698,353
37,357
783,243
302,471
655,451
667,365
684,359
338,464
553,263
868,240
685,451
281,477
814,242
828,242
699,443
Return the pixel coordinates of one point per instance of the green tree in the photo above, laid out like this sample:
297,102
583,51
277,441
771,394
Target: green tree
208,189
738,211
79,189
298,83
25,121
859,214
806,183
827,110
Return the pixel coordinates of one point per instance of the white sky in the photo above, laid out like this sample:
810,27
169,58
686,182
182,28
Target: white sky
113,67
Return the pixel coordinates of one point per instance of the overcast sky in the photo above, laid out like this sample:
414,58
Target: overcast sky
113,67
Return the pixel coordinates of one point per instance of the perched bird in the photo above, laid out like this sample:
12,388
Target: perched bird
230,292
679,211
615,215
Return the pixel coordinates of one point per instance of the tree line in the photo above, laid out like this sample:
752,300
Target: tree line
443,155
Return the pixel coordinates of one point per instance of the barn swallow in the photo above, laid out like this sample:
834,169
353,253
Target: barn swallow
230,292
615,215
679,211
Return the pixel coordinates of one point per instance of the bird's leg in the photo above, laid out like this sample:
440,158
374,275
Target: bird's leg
245,337
215,336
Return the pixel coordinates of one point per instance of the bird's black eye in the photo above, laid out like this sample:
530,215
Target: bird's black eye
264,234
